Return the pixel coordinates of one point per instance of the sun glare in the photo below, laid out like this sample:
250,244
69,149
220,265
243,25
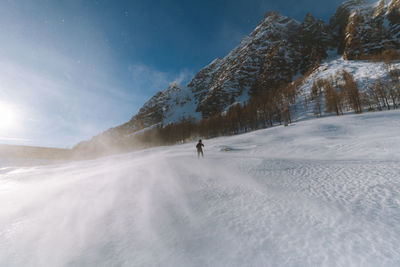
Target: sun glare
8,117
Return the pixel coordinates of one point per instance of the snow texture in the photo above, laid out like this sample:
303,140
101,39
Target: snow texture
321,192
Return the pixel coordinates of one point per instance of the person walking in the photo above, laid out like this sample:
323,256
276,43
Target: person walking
199,147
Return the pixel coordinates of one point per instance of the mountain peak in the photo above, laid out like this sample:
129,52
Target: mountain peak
174,86
275,17
274,27
271,14
352,4
309,16
310,20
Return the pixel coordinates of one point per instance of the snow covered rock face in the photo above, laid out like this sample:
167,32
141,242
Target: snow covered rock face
154,110
315,37
270,56
366,29
339,20
393,16
266,53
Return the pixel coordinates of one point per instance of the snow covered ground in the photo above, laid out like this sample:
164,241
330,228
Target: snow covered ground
322,192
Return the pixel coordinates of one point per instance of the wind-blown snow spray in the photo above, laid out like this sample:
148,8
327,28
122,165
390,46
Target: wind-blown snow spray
322,192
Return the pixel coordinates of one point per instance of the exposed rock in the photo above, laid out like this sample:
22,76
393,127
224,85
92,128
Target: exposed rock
364,29
315,38
339,20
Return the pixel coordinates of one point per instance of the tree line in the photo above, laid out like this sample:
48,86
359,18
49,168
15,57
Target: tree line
341,93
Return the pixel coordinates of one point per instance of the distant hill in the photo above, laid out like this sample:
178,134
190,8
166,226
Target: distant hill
31,152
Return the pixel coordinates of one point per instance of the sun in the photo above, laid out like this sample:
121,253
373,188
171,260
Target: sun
8,117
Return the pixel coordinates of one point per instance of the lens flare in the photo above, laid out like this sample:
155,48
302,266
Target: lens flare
8,117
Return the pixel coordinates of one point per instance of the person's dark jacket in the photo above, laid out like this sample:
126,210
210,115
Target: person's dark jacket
199,146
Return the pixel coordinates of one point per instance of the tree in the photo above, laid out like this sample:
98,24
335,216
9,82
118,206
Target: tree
316,95
333,98
351,91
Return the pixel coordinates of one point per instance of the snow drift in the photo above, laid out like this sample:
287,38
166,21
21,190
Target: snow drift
322,192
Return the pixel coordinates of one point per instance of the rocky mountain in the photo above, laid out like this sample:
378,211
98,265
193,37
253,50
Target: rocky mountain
363,29
278,51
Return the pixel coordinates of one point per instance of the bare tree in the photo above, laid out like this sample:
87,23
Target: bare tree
316,96
333,97
351,92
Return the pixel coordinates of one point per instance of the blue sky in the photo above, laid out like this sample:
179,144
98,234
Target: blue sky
72,69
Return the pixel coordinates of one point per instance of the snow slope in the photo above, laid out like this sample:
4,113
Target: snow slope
322,192
365,73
